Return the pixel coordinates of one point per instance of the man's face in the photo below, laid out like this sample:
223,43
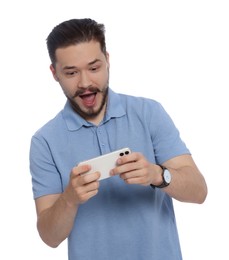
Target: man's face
82,70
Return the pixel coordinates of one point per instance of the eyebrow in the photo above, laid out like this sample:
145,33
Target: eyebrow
74,67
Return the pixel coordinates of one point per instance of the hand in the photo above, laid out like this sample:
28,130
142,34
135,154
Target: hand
81,187
135,169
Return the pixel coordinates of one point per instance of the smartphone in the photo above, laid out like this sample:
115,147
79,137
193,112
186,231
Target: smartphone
105,163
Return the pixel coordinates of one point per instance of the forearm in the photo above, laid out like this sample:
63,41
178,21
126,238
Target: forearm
187,185
55,223
56,212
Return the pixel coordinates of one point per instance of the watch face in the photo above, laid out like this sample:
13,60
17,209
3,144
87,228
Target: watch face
167,176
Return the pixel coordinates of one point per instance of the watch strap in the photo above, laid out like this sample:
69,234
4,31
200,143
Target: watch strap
164,183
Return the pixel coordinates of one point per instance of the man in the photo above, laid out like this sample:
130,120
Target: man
130,214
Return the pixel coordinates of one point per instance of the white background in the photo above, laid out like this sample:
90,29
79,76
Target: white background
176,52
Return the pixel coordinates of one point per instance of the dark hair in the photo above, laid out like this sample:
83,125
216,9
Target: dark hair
75,31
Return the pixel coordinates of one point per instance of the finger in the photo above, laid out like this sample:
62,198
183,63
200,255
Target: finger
84,193
78,170
79,176
91,177
88,187
124,168
137,173
136,180
86,196
132,157
83,180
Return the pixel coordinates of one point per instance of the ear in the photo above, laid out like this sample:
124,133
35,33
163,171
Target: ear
53,72
108,59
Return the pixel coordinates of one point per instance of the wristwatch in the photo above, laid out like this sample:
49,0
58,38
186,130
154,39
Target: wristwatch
166,177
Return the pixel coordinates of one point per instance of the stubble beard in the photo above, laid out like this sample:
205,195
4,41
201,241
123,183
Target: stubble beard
89,113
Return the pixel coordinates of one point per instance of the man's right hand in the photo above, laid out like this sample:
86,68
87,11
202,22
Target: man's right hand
81,186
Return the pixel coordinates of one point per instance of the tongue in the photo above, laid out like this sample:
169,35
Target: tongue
89,100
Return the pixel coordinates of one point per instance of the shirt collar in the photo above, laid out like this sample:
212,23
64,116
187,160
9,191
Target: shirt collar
75,122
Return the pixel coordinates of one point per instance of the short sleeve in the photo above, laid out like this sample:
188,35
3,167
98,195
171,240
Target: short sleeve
45,176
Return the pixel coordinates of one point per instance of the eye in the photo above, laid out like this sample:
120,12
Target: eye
71,73
93,68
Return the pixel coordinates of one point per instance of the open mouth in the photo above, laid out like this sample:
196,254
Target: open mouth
88,98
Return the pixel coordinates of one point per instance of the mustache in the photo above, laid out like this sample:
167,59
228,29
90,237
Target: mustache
82,91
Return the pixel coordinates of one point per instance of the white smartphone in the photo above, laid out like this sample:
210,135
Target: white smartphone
105,163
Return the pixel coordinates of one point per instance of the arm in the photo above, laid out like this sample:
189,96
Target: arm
187,185
56,213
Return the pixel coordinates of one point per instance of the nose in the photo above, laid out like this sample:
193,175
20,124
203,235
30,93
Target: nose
84,81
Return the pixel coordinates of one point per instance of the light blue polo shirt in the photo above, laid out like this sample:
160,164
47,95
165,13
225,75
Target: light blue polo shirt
122,222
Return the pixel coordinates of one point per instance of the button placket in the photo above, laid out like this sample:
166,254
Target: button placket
101,135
